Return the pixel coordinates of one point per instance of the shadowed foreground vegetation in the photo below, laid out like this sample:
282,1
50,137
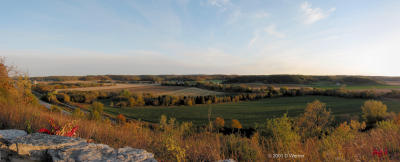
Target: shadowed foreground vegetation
312,136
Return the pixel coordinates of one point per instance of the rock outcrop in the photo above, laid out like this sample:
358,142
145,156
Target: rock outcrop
17,145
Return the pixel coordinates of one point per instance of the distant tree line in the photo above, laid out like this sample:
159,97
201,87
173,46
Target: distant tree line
302,79
133,78
271,91
125,98
268,79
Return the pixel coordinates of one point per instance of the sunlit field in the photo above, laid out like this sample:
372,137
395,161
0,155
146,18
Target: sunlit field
248,113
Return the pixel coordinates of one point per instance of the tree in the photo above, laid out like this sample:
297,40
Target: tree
125,93
132,102
373,111
66,98
188,102
50,97
96,111
236,124
140,100
219,122
316,119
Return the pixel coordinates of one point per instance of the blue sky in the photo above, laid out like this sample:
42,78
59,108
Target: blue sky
357,37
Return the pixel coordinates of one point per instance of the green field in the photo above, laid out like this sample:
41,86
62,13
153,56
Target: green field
354,87
248,113
327,85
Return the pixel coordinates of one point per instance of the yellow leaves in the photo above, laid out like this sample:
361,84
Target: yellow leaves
173,148
219,122
357,125
373,111
236,124
315,120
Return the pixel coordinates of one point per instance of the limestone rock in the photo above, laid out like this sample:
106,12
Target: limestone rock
16,145
25,145
227,160
11,134
99,153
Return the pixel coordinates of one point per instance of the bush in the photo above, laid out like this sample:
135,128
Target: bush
387,125
240,148
236,124
316,120
121,119
373,111
78,113
219,122
282,132
96,110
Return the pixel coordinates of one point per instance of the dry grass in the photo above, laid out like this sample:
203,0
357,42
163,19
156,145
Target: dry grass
202,145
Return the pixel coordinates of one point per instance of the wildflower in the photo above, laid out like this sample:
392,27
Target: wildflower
68,129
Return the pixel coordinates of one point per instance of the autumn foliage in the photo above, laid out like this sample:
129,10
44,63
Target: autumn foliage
312,134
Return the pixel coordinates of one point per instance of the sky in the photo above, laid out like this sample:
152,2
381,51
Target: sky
246,37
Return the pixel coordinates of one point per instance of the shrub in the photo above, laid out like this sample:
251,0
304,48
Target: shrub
236,124
78,113
283,133
219,122
121,119
316,120
387,125
240,148
96,110
373,111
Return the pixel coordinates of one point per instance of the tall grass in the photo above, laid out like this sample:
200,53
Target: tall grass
177,142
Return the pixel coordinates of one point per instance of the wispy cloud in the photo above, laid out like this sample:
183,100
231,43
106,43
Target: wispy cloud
312,15
261,34
261,14
219,3
254,39
271,30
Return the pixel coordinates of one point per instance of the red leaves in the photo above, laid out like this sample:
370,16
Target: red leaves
44,130
72,132
68,129
379,153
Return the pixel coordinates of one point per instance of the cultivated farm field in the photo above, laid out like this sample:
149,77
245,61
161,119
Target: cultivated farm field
155,89
248,113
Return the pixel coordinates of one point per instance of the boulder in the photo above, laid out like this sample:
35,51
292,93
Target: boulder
16,145
99,153
11,134
227,160
35,145
5,137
